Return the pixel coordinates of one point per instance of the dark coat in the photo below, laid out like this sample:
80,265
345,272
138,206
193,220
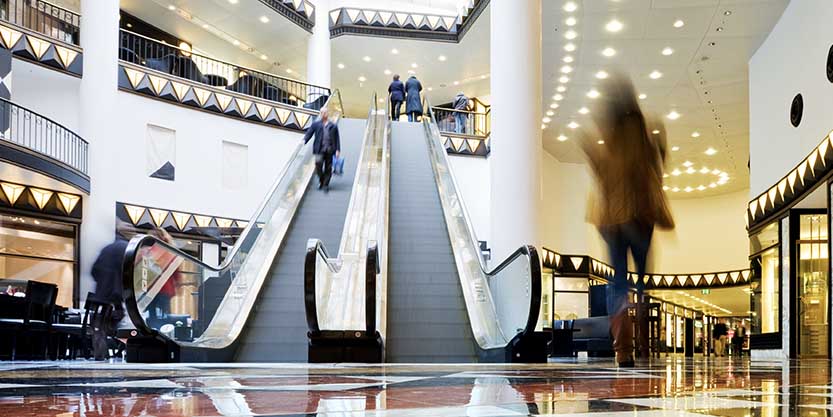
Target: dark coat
413,103
107,273
317,129
397,91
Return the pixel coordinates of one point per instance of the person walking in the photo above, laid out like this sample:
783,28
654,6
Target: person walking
461,104
413,103
107,273
326,144
719,334
629,202
396,90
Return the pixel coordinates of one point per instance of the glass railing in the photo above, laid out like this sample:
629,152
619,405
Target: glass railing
183,63
343,293
503,303
463,122
44,18
155,271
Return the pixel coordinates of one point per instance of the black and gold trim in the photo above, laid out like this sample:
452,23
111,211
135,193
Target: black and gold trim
41,49
140,80
38,200
458,144
300,12
145,217
587,266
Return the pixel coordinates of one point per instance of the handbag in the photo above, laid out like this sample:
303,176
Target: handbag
338,165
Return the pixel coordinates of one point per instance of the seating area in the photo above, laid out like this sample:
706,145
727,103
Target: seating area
37,329
183,63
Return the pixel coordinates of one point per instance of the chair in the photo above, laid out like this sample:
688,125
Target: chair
186,68
40,304
78,337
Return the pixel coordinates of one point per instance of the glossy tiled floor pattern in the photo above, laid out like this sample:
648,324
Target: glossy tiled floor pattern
665,387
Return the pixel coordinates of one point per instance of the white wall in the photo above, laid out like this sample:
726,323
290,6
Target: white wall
472,176
47,92
790,61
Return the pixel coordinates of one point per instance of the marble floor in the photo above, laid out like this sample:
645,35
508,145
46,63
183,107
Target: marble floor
663,387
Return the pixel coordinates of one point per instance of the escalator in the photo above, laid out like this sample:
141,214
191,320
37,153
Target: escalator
250,308
428,295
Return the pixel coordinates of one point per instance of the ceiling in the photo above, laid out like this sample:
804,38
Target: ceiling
705,79
719,302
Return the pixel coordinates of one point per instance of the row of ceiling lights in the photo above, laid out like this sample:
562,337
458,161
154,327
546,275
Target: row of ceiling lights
412,71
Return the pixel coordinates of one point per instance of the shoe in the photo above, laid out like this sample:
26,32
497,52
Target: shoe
320,186
326,189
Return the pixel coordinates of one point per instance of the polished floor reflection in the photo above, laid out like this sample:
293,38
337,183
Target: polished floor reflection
664,387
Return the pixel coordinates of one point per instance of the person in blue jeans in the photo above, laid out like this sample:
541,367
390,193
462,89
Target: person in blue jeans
461,103
629,203
413,103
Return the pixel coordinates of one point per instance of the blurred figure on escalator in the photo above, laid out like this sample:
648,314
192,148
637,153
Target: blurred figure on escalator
628,162
107,273
413,105
396,90
160,307
327,144
461,104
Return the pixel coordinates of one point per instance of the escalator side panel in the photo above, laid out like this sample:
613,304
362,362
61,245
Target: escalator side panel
277,329
427,316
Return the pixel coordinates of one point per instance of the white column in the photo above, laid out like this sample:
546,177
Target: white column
515,159
318,47
98,106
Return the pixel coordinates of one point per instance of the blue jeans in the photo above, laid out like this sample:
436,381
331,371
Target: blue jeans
412,116
396,109
620,238
460,122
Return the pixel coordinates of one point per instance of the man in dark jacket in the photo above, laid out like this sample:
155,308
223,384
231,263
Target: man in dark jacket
397,96
326,144
461,103
109,287
413,105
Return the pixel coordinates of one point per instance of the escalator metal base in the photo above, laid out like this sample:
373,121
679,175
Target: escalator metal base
151,349
345,346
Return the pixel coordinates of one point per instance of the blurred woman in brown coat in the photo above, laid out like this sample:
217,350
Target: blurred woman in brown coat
629,199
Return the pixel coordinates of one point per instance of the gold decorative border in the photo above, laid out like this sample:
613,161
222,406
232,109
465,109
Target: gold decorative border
466,144
40,200
41,49
178,221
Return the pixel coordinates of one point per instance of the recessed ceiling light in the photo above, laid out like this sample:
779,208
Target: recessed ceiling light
366,59
264,57
562,138
655,131
566,69
593,93
667,51
676,172
719,29
571,21
543,127
288,71
675,148
569,47
710,151
484,76
362,79
608,52
550,113
679,23
573,125
564,79
442,58
704,170
655,75
600,142
456,83
561,89
673,115
687,164
570,6
614,26
643,96
430,88
584,110
340,65
568,59
394,51
171,7
387,72
688,189
716,171
665,188
554,105
232,1
601,75
690,170
712,185
727,13
264,19
236,42
571,34
546,120
695,134
414,65
558,97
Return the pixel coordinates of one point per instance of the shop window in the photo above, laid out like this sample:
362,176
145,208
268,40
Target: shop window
766,293
571,298
37,250
161,152
235,165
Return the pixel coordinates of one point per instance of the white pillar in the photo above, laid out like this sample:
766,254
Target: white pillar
515,159
318,47
99,86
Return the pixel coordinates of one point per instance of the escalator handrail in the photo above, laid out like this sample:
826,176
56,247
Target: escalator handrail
140,241
316,248
528,250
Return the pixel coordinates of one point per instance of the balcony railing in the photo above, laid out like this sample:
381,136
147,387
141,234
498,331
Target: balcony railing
44,18
182,63
472,123
33,132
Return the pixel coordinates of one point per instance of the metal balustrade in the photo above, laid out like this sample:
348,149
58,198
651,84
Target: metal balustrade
44,18
183,63
33,132
473,123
